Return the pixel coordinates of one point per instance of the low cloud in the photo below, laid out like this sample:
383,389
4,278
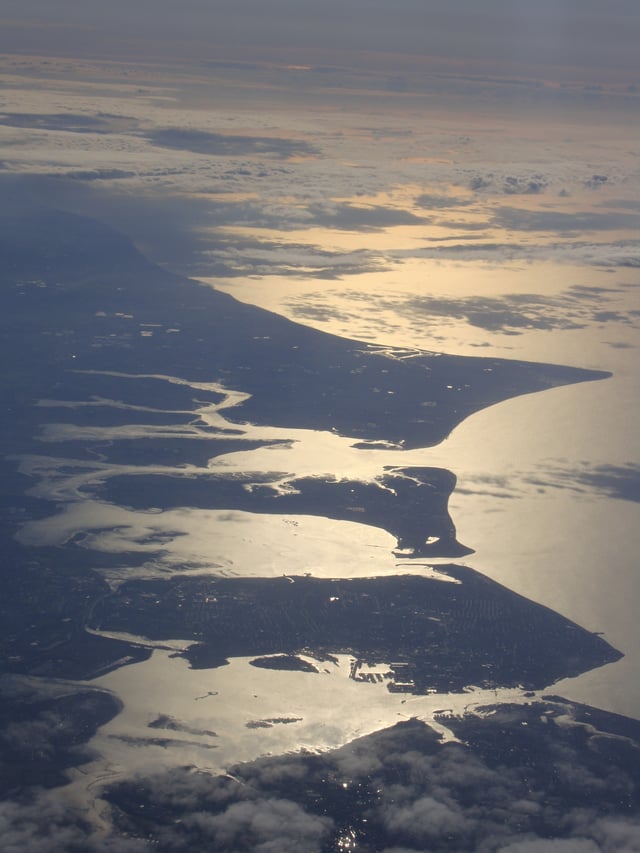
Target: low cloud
43,730
524,186
596,182
265,825
577,307
620,253
515,219
99,175
545,776
244,256
433,201
230,145
531,184
69,122
574,308
189,234
615,481
349,217
46,823
542,776
427,821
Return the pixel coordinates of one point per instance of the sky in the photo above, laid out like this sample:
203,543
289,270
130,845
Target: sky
582,38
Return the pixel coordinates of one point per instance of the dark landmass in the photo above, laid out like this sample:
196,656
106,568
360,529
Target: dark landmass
145,397
46,598
625,727
287,663
523,774
147,450
75,295
433,635
409,503
504,735
42,730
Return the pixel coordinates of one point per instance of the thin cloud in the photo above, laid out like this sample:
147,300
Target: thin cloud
621,253
229,145
621,482
577,307
434,201
515,219
349,217
69,122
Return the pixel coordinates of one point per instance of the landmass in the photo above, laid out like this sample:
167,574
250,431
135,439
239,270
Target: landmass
77,295
519,777
410,503
433,635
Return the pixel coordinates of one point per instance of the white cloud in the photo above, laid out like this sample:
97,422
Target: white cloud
47,824
269,826
552,845
428,821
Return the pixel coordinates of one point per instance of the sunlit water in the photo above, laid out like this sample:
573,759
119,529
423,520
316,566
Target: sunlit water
533,526
239,712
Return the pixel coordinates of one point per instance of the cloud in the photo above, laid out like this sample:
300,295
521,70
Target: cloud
535,40
245,256
194,810
596,182
262,825
577,307
349,217
516,219
544,776
69,122
614,834
621,253
45,823
622,204
169,228
532,184
524,186
43,730
574,308
230,145
99,174
615,481
480,182
433,201
427,821
190,233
